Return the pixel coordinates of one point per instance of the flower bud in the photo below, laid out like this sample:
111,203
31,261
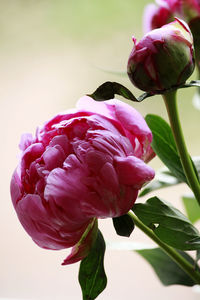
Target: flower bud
163,59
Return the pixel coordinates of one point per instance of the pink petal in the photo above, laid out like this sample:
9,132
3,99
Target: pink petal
149,12
130,118
133,171
109,177
31,153
40,225
15,190
96,160
65,188
87,104
53,158
26,140
61,140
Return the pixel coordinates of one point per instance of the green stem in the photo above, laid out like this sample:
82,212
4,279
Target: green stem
171,105
180,260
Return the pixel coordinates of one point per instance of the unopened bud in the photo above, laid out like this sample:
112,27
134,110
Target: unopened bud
163,59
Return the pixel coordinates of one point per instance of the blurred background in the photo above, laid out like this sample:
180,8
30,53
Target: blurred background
51,54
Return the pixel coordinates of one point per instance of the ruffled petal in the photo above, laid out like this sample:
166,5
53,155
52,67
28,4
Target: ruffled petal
15,190
133,171
66,189
130,118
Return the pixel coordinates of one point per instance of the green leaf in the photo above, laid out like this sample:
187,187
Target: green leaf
123,225
168,223
164,178
107,91
166,269
92,277
192,208
164,145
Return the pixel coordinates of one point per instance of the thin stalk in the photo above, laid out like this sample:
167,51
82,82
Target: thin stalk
171,105
180,260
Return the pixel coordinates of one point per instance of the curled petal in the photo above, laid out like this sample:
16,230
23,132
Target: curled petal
133,171
26,140
53,157
131,119
15,189
65,188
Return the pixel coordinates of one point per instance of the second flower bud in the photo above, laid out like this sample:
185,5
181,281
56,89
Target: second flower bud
163,59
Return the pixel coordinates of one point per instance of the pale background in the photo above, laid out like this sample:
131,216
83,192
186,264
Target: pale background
52,53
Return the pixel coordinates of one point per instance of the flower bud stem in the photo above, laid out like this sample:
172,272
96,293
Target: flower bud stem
171,252
171,105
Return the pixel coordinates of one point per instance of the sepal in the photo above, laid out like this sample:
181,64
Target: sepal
83,247
123,225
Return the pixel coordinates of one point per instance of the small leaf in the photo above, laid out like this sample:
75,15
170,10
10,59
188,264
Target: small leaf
124,225
92,277
168,223
166,269
164,145
192,208
107,91
164,178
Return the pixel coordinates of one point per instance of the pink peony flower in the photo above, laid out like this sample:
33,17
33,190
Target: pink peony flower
83,164
186,9
163,59
155,17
